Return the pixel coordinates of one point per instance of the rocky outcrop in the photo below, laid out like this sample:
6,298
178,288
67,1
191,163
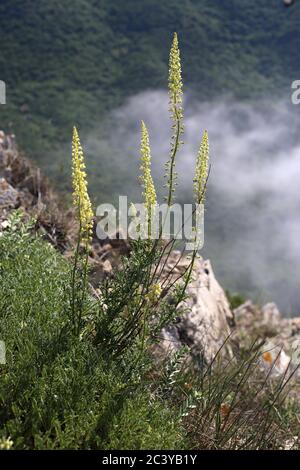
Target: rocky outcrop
9,196
209,327
205,327
23,187
281,336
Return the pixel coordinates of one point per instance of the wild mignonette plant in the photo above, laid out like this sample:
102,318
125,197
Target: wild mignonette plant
149,193
137,301
176,110
201,172
84,215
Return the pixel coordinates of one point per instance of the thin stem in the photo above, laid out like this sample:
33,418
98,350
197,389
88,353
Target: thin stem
173,155
74,270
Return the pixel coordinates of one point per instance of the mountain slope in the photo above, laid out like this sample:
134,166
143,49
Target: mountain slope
72,61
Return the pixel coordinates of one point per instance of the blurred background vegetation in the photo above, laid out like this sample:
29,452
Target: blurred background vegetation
73,61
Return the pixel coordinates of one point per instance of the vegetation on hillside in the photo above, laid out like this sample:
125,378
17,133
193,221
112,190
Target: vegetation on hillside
72,61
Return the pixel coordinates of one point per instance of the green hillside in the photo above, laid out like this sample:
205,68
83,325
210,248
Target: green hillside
69,62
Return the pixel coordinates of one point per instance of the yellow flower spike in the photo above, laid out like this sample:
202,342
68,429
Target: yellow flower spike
176,110
81,198
149,192
175,81
201,172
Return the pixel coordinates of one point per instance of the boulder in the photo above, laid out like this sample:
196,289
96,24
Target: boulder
205,324
280,352
8,195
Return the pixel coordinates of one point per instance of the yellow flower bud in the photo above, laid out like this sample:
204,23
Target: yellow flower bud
175,81
81,198
201,172
149,192
176,110
154,293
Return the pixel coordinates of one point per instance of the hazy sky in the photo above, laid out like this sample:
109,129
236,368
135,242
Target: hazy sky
252,231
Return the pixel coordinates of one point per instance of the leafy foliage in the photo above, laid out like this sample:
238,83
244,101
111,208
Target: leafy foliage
238,406
59,389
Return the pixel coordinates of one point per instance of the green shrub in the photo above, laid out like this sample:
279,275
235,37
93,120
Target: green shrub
58,389
235,300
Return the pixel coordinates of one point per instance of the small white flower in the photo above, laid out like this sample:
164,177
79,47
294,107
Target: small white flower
5,224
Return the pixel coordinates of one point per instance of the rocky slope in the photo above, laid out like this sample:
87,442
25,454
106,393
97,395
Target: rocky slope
23,187
208,326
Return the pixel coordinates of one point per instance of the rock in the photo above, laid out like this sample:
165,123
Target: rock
21,185
265,322
106,255
119,243
8,195
169,343
205,325
107,267
280,352
291,444
252,321
274,360
208,323
2,137
271,317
